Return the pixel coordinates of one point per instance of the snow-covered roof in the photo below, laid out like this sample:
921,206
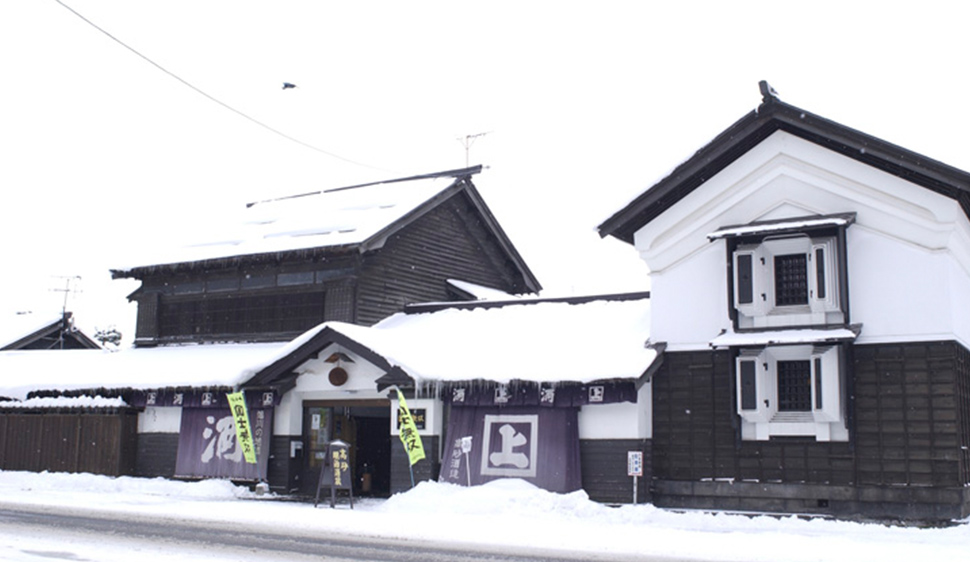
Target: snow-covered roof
481,292
545,341
17,326
771,227
326,219
139,368
787,337
542,342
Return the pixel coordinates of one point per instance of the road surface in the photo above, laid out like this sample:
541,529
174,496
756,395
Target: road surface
49,534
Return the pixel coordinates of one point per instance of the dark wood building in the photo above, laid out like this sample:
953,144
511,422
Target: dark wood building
355,254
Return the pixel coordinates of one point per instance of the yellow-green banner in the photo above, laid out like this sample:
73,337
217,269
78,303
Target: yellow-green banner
409,431
237,404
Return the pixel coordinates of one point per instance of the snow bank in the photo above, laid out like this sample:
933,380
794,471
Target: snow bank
504,512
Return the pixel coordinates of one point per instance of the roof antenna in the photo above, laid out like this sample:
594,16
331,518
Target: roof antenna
768,94
467,141
67,290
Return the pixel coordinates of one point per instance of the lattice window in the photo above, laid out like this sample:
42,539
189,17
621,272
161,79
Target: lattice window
794,386
791,280
240,315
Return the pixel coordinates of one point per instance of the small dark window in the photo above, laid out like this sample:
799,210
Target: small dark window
745,281
794,386
791,279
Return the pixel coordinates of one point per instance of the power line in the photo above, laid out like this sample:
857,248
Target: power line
210,97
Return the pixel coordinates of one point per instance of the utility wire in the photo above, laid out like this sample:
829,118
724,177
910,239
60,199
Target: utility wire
209,97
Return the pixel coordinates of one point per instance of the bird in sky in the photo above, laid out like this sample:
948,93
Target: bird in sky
287,85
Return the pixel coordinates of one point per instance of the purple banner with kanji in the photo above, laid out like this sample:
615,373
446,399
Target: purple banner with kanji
208,447
540,445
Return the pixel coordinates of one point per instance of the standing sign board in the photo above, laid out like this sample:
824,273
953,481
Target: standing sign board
336,473
634,468
634,463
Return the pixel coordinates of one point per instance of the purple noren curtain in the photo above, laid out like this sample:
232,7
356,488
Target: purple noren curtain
540,445
208,447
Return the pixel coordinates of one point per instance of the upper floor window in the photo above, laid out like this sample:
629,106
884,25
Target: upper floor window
233,316
788,273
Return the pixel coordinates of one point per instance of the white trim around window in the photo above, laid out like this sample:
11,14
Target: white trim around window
788,391
787,281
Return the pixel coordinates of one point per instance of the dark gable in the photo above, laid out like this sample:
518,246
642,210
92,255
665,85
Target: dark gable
774,115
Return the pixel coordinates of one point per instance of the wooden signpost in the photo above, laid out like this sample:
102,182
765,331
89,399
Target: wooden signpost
336,473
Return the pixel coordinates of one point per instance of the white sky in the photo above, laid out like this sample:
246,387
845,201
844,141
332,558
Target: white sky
585,105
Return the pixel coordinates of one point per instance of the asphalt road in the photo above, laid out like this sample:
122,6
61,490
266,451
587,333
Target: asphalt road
50,534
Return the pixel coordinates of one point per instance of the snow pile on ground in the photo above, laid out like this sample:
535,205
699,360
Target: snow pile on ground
510,512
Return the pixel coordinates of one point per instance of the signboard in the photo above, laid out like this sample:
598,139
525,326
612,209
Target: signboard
339,465
634,463
419,415
336,473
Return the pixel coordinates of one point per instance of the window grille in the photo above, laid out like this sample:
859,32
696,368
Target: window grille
791,280
794,386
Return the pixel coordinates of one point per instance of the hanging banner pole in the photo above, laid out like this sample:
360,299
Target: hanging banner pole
240,418
409,434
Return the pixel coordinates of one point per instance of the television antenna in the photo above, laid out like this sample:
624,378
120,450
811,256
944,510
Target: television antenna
70,287
468,140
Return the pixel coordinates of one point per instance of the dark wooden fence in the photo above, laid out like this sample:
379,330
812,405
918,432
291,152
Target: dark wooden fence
95,441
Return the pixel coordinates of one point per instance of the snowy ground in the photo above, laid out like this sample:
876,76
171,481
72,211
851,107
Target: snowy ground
509,512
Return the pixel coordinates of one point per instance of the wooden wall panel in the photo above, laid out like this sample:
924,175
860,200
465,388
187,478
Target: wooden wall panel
604,470
449,242
60,441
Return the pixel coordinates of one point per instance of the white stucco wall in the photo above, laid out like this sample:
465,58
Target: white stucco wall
908,251
313,384
160,420
623,420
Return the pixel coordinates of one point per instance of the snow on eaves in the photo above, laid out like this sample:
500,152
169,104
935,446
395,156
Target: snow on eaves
481,292
542,342
786,337
138,368
775,226
65,402
329,219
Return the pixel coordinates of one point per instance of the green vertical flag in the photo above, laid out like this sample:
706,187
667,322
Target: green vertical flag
237,404
409,431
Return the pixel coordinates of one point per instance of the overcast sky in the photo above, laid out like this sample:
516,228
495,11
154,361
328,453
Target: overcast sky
585,105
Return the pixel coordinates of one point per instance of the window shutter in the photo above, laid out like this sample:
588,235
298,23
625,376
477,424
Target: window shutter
818,383
744,278
826,380
749,389
820,273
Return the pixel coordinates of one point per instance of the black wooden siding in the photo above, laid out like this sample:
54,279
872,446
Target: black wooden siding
448,242
283,471
604,469
907,455
64,441
911,414
156,455
426,469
